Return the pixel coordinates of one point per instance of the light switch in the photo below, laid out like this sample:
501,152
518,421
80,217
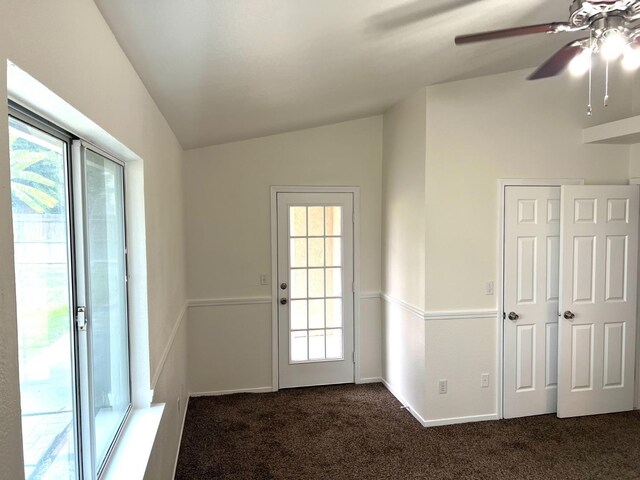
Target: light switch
488,288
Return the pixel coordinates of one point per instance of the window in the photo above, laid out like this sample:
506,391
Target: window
71,288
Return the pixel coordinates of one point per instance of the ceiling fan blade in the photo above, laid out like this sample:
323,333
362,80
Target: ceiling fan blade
558,61
512,32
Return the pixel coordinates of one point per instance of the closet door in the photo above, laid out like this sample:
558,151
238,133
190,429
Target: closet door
531,254
598,289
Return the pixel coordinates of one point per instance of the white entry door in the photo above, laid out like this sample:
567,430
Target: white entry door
598,278
531,262
315,285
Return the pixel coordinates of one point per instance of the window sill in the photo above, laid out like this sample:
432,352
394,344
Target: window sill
131,454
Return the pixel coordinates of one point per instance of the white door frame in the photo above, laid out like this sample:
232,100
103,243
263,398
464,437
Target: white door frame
274,270
636,402
502,184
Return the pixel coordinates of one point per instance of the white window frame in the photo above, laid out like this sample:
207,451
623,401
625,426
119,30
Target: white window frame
83,402
132,452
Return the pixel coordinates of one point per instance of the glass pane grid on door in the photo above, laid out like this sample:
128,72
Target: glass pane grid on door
315,278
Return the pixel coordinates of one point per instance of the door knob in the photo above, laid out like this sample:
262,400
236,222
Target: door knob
283,286
513,316
283,301
569,315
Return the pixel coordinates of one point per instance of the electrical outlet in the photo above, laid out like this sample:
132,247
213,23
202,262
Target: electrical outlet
488,288
263,279
442,387
484,380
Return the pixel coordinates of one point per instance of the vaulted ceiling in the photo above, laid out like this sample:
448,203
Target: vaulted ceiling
225,70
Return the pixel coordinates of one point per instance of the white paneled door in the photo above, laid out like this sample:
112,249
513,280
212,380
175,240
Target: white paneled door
315,287
598,289
531,259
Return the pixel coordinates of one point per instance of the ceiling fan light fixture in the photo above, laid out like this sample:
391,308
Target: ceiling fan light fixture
613,44
580,63
612,29
631,58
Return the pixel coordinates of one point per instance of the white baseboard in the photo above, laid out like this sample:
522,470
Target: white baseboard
229,392
184,418
406,404
369,380
440,421
454,420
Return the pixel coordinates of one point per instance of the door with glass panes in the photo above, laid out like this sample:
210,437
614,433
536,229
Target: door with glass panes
315,289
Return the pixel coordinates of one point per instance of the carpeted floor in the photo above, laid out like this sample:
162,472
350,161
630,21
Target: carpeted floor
360,432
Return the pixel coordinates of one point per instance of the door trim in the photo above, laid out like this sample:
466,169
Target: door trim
636,401
274,270
502,184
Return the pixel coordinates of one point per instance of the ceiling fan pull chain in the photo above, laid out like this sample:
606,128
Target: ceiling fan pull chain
606,85
589,109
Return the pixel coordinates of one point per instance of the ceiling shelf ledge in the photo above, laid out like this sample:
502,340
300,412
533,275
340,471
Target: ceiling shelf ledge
620,132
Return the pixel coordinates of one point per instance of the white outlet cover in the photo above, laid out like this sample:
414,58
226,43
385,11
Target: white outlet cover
442,387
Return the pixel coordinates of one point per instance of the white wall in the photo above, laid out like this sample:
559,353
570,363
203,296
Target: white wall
403,357
67,46
445,148
230,348
403,250
478,131
494,127
403,190
227,189
171,388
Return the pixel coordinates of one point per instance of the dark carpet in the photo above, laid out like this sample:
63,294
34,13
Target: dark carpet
360,432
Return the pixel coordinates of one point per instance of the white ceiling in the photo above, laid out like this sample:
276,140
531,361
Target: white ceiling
225,70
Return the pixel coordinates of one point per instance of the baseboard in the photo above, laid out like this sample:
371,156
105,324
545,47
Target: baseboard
440,421
454,420
404,403
369,380
229,392
184,418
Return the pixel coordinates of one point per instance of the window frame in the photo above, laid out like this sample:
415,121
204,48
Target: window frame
82,379
87,421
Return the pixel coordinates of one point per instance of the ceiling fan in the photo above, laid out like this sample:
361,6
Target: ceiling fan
611,31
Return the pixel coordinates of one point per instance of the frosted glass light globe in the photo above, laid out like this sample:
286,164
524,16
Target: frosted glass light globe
631,57
580,63
613,45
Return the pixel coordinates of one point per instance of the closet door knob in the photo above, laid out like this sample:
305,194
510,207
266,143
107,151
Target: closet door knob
283,301
513,316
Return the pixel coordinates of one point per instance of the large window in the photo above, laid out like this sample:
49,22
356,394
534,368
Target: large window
71,289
